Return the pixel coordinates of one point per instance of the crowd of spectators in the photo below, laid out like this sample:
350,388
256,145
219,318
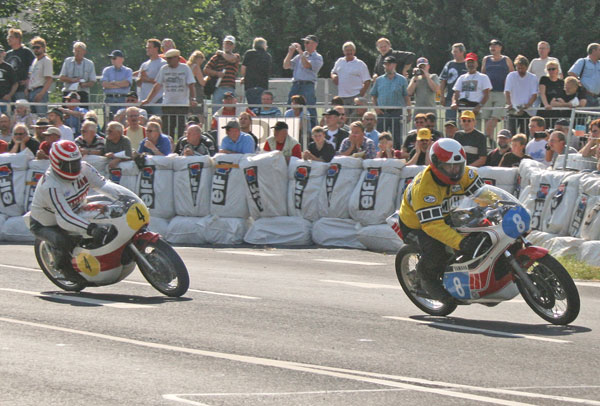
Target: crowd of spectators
366,118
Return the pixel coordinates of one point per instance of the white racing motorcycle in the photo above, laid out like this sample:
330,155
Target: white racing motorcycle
503,264
107,264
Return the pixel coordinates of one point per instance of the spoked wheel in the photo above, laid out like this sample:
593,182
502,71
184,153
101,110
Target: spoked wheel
44,253
167,272
558,301
406,271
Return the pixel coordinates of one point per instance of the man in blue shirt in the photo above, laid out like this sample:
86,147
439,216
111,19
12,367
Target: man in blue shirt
390,90
155,142
587,70
116,80
236,142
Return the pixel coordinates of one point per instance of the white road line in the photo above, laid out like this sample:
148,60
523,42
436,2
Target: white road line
21,268
363,284
253,253
79,299
589,284
344,261
479,330
207,292
314,369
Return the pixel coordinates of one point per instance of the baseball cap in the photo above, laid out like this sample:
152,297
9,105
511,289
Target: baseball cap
116,52
471,56
422,61
232,124
227,95
52,131
331,112
389,59
504,133
310,38
172,53
450,123
73,95
280,125
468,114
495,42
42,122
57,112
229,38
423,134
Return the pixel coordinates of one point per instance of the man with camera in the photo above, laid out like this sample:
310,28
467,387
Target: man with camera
536,148
557,146
424,86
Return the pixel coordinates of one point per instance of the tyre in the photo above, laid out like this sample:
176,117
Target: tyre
406,271
44,253
167,272
558,302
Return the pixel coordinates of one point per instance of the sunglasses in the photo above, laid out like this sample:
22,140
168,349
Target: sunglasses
466,119
20,133
36,47
549,69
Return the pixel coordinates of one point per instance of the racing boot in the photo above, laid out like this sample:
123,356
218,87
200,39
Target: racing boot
432,284
62,263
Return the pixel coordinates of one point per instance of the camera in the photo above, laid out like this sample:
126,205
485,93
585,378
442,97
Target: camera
417,71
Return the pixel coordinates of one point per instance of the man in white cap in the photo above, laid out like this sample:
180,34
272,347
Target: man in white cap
223,67
178,81
116,80
424,86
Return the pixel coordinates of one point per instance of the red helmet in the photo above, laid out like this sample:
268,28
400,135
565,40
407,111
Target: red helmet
65,159
448,160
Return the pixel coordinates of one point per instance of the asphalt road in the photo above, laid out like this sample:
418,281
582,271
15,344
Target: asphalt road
281,327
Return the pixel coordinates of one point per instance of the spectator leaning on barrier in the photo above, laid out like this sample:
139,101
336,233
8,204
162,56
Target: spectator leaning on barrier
472,140
386,147
255,70
245,120
5,126
350,74
319,149
369,120
420,155
420,121
223,67
296,110
536,147
40,78
73,114
115,143
403,59
333,133
40,126
572,96
22,114
521,91
306,66
147,74
78,73
135,132
89,142
8,81
451,71
56,118
472,89
590,149
494,157
51,135
538,65
194,143
268,110
390,90
116,80
20,58
550,90
21,140
236,142
497,67
587,70
424,86
357,145
430,122
156,143
517,152
450,129
557,146
282,141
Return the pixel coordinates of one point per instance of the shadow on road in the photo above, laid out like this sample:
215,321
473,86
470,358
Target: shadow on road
69,297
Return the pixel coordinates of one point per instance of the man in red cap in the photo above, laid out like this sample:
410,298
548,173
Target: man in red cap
472,89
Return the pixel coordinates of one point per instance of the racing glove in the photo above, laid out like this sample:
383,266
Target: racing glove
469,244
102,233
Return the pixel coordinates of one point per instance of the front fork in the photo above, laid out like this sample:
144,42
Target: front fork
532,253
139,256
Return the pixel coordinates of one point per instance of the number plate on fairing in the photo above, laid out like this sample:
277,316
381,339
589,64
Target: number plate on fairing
516,221
458,284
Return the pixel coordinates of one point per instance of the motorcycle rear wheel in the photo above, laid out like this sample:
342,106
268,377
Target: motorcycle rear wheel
406,271
559,300
168,274
46,261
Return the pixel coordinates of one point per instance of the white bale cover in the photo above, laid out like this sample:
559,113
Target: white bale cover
223,230
280,230
266,184
37,169
557,215
306,181
126,175
14,229
374,196
155,186
563,246
528,168
3,218
158,225
185,230
335,232
13,170
589,252
590,229
504,178
542,186
407,175
100,163
577,162
341,178
589,186
228,190
380,237
192,179
540,238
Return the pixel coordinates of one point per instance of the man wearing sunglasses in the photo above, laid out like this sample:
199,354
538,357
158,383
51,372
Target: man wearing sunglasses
116,80
473,141
22,140
41,76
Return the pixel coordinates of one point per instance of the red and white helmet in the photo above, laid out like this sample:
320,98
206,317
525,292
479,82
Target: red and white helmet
65,159
448,160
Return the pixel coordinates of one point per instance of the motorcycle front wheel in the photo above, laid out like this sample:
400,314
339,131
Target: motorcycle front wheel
167,272
406,271
45,257
558,302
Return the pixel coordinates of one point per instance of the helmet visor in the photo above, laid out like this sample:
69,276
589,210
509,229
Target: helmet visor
71,167
454,171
